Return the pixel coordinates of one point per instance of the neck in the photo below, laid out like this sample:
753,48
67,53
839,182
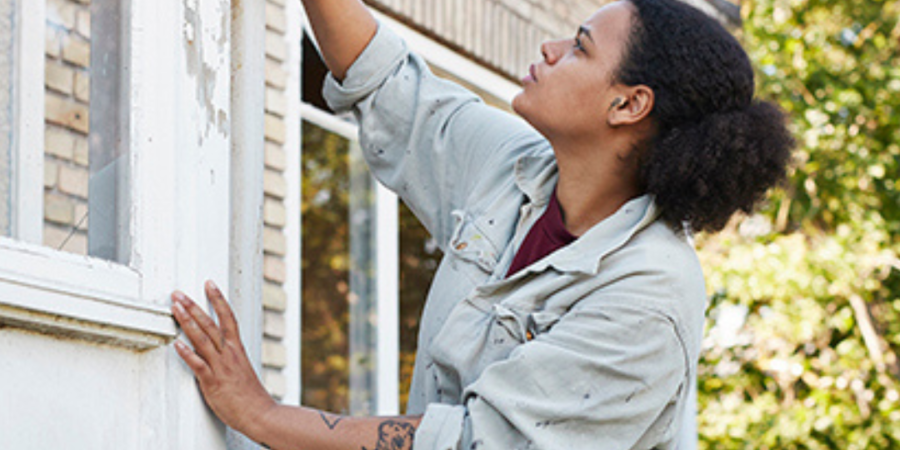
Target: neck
593,182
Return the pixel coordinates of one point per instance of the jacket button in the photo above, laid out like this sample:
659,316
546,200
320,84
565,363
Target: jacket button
529,335
461,246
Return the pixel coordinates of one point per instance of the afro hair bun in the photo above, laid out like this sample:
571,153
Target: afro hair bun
716,149
702,173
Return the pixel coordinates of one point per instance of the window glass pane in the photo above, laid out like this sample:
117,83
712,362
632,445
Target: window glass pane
338,275
85,182
7,53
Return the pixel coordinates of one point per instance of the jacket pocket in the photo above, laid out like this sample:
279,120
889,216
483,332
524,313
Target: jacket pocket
524,326
469,243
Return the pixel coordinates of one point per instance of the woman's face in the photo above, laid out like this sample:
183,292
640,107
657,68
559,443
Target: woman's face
568,94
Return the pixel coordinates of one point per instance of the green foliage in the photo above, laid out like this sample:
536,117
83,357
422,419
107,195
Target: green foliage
804,321
325,270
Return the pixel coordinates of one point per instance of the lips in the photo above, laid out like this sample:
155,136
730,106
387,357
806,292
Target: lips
532,75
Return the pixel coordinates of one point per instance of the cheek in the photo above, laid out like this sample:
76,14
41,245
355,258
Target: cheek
585,99
567,102
571,104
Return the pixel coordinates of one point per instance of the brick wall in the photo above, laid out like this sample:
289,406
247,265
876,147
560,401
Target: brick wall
274,352
503,34
67,82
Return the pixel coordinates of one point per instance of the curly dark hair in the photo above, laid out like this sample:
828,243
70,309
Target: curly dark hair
716,149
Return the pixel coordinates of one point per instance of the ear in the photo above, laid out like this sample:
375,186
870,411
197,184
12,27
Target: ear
632,105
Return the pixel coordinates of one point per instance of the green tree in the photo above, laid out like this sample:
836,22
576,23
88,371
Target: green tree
803,331
325,270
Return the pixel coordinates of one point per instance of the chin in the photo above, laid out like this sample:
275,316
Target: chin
517,103
523,107
520,107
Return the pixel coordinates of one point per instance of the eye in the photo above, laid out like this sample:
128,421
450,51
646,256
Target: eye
578,44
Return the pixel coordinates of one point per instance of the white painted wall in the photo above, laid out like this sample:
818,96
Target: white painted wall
85,354
63,394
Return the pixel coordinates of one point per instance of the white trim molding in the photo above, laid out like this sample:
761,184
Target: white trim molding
28,114
45,290
294,228
387,354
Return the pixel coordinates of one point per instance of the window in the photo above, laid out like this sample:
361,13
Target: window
344,273
85,139
42,288
338,273
82,84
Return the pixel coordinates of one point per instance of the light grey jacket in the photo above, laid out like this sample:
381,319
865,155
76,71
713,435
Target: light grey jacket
593,347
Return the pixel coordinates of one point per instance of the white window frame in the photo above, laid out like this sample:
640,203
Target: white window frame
28,116
294,16
83,297
387,208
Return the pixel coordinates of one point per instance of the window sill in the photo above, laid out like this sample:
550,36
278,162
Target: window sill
73,296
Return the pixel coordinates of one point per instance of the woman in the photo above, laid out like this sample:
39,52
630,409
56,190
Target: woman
568,310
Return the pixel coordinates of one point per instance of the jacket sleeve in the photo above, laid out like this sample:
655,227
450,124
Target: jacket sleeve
609,376
429,140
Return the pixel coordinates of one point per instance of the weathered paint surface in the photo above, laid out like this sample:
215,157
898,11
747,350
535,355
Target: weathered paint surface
63,394
207,53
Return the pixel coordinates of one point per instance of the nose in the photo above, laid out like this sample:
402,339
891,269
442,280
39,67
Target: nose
554,50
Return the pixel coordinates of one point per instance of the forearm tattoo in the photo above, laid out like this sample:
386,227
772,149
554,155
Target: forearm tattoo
331,421
394,435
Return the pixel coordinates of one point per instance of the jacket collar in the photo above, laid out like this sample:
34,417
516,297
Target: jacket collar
536,175
585,254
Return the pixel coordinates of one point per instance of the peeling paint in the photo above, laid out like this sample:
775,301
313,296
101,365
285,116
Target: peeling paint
222,123
206,52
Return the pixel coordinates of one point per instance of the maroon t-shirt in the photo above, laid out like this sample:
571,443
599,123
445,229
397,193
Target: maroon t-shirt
547,235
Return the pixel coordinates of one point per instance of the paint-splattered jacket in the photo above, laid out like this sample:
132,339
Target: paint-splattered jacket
592,347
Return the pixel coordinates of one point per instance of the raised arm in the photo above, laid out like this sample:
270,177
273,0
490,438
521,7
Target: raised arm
343,28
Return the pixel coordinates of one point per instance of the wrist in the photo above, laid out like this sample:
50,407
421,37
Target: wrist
259,425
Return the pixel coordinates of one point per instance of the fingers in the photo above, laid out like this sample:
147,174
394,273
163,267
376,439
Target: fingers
196,363
227,321
198,336
206,324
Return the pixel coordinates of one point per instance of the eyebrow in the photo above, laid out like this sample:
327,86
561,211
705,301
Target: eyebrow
583,30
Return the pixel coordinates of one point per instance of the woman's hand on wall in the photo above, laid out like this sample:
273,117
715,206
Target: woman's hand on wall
219,362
